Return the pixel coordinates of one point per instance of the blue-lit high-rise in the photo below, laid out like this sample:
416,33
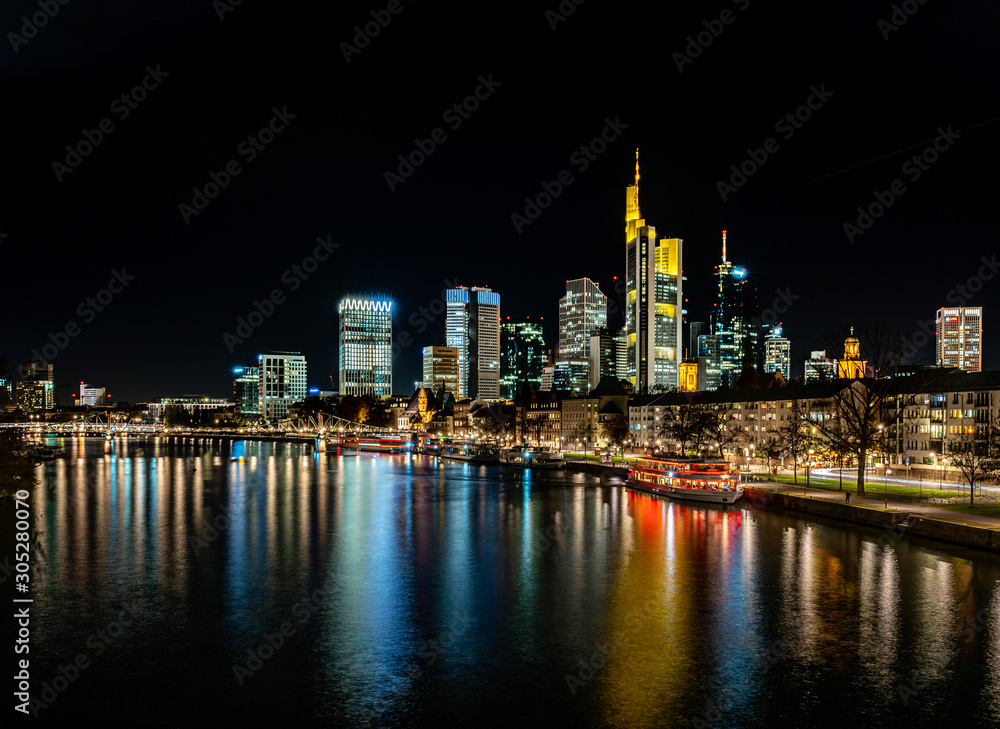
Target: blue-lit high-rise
473,326
734,319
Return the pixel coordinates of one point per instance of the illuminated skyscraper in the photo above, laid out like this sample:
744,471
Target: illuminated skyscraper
365,347
734,319
441,369
281,381
654,299
523,356
777,353
36,390
608,355
709,362
473,325
583,309
819,367
959,338
246,388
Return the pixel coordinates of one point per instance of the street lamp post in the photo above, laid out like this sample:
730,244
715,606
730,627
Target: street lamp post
885,485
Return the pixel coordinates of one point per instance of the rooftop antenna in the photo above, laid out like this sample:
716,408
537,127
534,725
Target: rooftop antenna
723,246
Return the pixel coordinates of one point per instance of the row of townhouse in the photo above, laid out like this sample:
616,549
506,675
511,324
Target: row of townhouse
928,411
920,411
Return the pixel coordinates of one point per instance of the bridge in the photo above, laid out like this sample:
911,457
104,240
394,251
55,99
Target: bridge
109,425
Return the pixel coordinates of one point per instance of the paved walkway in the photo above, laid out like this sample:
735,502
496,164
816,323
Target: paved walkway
926,510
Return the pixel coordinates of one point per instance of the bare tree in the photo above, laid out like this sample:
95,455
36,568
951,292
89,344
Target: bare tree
977,457
687,423
795,433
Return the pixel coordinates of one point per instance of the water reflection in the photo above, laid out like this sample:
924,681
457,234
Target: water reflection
439,594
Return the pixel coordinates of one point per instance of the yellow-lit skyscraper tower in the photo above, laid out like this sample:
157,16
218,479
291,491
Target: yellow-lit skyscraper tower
654,308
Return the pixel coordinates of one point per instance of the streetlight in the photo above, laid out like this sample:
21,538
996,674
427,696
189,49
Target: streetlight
885,485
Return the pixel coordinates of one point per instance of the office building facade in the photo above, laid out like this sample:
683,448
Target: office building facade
959,341
37,390
365,346
473,326
245,389
441,369
777,353
583,309
608,355
523,356
654,300
281,381
734,319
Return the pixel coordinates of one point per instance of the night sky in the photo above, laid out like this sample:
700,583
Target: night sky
212,83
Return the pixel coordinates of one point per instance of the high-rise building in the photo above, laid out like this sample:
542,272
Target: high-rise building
777,353
583,309
473,326
819,366
709,362
6,392
523,356
694,330
246,391
959,338
281,382
654,299
90,395
365,346
36,390
608,355
734,317
441,369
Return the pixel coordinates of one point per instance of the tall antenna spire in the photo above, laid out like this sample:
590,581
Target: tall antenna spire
723,246
637,168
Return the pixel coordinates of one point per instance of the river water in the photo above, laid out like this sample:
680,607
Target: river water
255,583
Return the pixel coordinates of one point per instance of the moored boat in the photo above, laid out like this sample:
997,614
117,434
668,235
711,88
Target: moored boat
470,452
531,457
375,443
694,479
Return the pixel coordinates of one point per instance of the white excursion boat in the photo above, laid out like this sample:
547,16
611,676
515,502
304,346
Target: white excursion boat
470,452
694,479
531,457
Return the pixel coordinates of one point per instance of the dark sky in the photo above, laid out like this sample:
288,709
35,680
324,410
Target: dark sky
323,174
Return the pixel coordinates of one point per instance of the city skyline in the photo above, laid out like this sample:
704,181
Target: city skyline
314,176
